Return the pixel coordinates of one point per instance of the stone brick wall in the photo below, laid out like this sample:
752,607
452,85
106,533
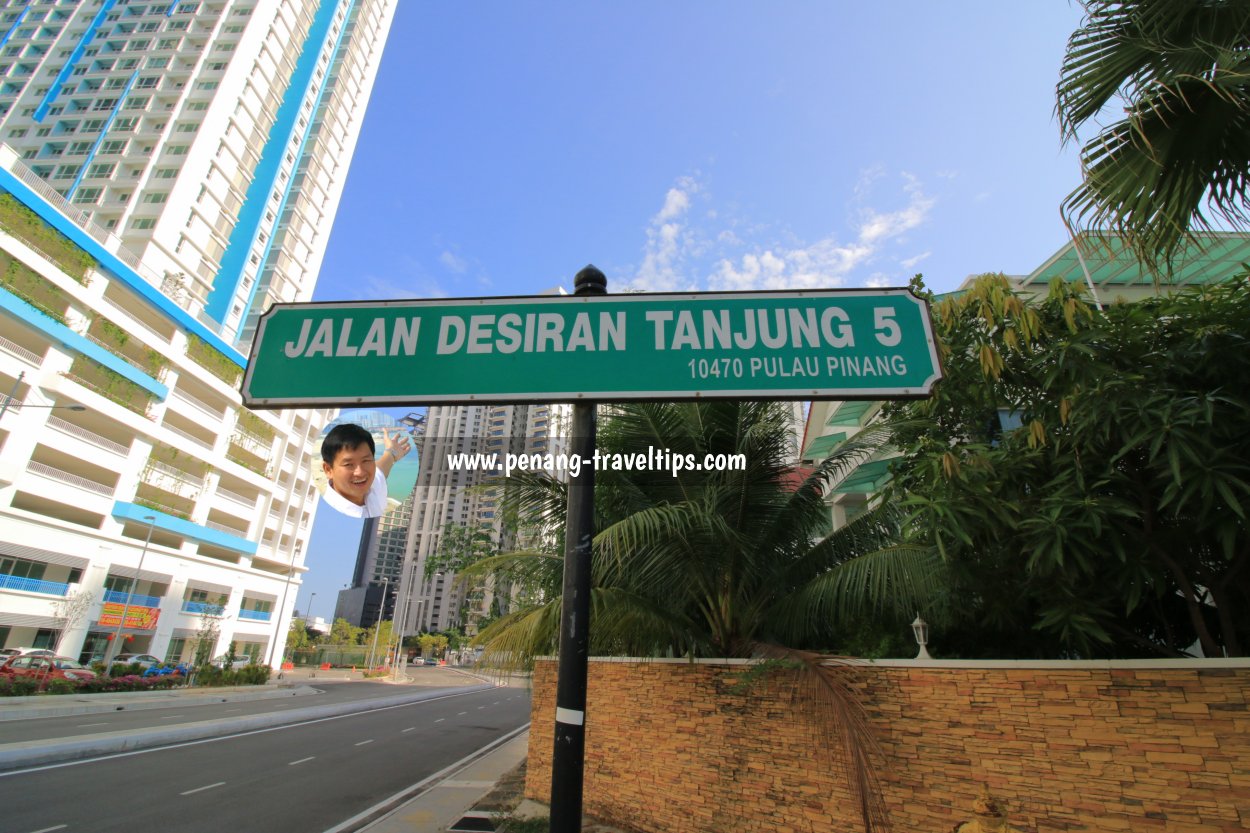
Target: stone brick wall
674,747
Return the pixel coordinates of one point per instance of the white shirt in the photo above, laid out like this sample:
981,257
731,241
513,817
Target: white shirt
375,502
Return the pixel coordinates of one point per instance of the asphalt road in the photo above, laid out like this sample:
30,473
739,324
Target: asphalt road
51,728
302,778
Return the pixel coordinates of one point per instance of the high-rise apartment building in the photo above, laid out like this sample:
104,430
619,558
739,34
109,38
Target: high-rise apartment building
169,170
450,493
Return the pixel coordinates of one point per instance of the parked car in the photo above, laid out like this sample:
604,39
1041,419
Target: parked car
46,668
145,660
239,661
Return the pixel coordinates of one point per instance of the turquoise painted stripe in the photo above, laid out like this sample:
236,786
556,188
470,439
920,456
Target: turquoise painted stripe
264,179
123,511
112,264
99,140
303,142
9,34
71,340
74,58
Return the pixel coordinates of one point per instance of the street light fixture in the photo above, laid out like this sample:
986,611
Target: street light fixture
12,397
111,652
920,629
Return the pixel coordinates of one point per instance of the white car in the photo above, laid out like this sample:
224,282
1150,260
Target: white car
240,661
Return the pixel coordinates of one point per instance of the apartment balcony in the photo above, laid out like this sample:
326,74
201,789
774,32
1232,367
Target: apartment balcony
256,615
88,436
32,585
132,598
242,501
198,406
17,350
171,479
249,451
203,608
69,478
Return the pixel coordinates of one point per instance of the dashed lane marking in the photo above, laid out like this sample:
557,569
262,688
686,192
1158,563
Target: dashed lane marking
205,787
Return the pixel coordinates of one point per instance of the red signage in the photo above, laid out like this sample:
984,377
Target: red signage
137,617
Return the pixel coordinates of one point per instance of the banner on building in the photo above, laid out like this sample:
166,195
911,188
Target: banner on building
137,616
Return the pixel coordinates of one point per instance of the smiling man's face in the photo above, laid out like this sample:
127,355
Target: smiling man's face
351,473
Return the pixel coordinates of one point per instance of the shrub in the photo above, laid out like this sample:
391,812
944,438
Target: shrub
17,686
59,686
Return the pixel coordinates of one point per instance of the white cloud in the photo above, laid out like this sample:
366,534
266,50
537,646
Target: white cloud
684,250
668,242
827,262
911,262
453,262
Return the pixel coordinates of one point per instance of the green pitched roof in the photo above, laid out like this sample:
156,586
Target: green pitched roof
850,413
867,478
1216,257
821,447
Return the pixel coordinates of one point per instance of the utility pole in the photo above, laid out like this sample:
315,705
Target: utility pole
569,756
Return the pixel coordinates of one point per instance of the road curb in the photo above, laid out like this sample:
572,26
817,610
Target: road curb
16,756
14,708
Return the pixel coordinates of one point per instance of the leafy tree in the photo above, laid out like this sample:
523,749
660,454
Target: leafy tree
433,644
380,635
1112,522
343,632
1181,71
298,637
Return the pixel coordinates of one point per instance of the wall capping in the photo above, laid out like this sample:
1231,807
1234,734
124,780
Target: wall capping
937,664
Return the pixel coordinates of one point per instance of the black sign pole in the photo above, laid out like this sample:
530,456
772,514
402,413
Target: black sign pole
569,755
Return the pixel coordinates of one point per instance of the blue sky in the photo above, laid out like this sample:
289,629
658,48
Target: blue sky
698,145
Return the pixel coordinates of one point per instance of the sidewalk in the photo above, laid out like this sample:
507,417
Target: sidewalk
447,798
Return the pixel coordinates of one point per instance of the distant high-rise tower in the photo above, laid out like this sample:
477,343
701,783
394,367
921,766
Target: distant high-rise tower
452,494
167,171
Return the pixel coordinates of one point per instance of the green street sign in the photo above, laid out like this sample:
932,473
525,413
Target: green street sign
827,344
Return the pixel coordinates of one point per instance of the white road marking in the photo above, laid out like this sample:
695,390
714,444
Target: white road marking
302,760
202,789
171,717
409,729
441,719
233,710
50,829
246,733
105,723
461,713
363,742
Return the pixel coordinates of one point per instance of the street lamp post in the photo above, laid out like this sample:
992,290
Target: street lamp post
11,396
282,608
377,625
308,613
109,653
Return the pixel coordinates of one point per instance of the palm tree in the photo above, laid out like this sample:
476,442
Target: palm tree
1182,71
725,563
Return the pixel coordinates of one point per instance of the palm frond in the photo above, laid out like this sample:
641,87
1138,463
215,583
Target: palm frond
896,580
846,740
1184,144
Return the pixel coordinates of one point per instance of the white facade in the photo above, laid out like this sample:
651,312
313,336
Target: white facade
196,153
